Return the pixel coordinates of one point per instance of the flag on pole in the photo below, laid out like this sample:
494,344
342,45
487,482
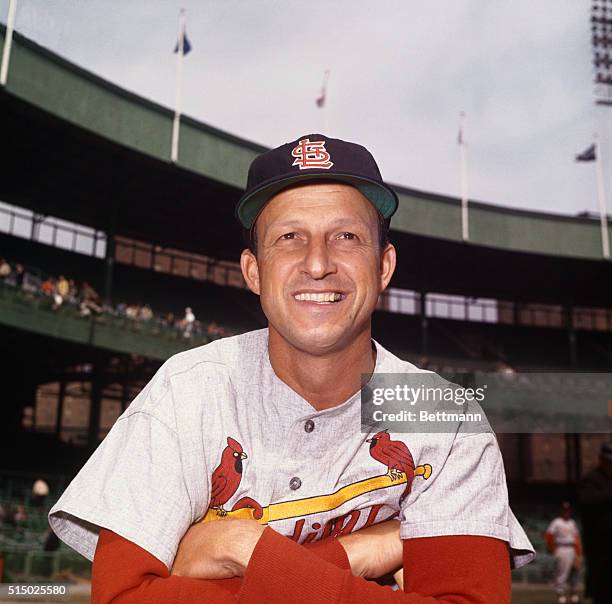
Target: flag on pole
593,153
465,228
320,101
186,44
587,155
460,136
183,46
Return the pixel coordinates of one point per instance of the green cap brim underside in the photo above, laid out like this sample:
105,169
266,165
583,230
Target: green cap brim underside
382,199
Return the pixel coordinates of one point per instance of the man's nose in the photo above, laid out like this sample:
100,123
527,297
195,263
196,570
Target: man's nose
318,261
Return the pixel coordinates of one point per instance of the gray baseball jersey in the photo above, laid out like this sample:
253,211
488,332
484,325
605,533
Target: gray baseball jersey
216,434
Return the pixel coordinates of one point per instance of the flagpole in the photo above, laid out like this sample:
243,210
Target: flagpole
8,41
179,85
601,196
465,230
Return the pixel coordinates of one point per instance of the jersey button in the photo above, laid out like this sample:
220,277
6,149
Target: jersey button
309,426
295,483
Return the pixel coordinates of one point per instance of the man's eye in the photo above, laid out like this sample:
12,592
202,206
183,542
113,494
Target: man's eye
288,236
347,235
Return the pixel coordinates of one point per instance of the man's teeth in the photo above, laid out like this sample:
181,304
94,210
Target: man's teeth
319,297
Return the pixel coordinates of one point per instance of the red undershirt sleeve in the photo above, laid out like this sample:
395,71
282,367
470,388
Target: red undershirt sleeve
451,569
124,573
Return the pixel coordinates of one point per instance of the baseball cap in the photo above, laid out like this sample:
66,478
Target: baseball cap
313,157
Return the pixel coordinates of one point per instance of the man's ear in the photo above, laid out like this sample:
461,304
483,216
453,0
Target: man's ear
388,260
250,270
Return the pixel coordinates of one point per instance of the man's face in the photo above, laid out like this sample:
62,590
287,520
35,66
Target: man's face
319,268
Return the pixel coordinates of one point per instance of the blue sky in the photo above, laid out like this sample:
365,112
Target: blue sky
400,74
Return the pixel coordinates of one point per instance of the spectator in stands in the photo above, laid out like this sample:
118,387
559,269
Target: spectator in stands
19,275
595,492
503,368
215,331
563,541
20,514
62,290
73,294
66,290
423,361
40,491
84,310
188,321
47,287
90,300
89,293
146,313
5,270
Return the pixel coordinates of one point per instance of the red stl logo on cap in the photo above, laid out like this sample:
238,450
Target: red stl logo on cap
311,155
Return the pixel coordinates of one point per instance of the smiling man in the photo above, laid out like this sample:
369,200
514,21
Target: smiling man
241,471
319,265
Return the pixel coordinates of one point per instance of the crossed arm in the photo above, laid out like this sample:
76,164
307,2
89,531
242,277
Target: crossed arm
239,560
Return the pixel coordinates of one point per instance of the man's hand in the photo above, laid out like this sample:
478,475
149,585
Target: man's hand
222,549
217,550
374,551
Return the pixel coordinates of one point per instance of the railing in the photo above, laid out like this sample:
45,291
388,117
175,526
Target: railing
151,339
30,292
440,305
52,231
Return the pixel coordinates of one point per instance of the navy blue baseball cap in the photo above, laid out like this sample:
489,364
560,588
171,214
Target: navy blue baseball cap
313,157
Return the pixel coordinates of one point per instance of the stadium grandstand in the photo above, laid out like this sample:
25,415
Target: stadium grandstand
113,258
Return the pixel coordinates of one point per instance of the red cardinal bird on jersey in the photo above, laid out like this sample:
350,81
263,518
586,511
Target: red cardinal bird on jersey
395,455
227,476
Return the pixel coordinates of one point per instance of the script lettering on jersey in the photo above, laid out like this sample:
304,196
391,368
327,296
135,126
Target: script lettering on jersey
341,525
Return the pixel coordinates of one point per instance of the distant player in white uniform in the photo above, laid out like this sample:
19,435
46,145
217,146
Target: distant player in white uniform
563,540
240,455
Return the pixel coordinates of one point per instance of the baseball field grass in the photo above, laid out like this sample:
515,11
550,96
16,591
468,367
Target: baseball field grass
536,594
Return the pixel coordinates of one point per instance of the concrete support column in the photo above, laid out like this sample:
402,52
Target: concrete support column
95,405
109,258
60,407
571,335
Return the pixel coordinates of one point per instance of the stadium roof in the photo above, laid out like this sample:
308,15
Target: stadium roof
86,150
